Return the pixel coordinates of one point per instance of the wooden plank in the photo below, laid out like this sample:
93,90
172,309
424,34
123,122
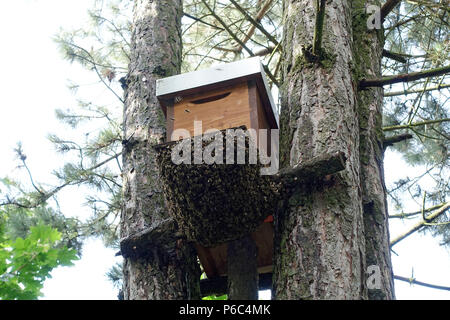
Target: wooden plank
169,122
214,260
253,97
263,237
207,260
217,77
267,102
231,110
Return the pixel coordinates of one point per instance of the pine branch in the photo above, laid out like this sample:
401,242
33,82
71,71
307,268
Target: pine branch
256,22
202,21
115,28
271,76
47,195
395,139
265,51
420,283
31,177
403,77
421,224
236,38
415,213
94,66
405,92
387,8
394,56
318,30
231,33
412,125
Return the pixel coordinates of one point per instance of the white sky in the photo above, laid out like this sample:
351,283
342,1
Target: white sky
33,84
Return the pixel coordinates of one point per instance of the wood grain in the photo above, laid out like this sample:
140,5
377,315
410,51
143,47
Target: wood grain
233,110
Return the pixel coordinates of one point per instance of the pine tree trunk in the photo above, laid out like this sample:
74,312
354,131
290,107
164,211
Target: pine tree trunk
168,271
368,47
327,234
319,241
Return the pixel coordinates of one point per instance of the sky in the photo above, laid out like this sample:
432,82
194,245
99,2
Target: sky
33,85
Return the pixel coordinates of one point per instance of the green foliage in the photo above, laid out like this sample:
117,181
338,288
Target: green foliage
214,297
25,263
419,31
115,275
20,221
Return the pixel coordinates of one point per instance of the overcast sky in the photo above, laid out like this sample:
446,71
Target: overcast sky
33,85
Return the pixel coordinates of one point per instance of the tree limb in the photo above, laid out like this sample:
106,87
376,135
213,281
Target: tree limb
231,33
416,124
419,225
420,283
387,8
411,214
394,56
403,77
202,21
405,92
256,22
47,195
162,235
236,38
389,141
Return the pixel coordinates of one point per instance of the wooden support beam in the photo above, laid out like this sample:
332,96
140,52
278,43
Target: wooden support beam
316,168
162,235
242,269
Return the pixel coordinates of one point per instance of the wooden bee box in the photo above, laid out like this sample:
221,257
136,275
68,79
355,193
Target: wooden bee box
225,96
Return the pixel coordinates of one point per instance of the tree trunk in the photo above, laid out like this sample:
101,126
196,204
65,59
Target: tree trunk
160,272
329,233
368,47
242,269
319,238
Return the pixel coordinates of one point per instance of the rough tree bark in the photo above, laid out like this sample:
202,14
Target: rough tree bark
368,49
319,243
168,271
327,234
